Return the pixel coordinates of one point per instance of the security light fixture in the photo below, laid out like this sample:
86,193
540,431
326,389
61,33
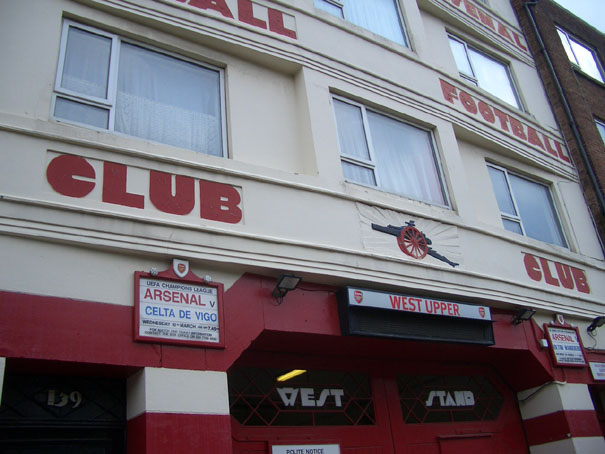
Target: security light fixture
524,314
285,283
597,322
291,374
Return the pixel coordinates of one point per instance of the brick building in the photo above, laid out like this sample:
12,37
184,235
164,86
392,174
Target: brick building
569,55
290,227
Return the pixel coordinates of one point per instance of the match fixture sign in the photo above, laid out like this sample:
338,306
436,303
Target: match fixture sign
565,346
177,307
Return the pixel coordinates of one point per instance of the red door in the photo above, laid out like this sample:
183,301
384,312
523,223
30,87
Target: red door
321,408
375,409
437,410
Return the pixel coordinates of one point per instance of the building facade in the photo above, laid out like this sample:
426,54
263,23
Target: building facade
569,56
310,226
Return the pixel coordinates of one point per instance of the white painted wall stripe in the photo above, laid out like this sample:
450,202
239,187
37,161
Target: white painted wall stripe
554,397
2,366
578,445
159,390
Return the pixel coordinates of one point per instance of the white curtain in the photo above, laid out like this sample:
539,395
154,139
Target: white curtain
167,100
86,65
405,160
378,16
351,133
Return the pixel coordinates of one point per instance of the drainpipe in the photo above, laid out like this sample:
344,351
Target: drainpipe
572,122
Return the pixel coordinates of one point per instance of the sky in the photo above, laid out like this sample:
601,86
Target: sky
591,11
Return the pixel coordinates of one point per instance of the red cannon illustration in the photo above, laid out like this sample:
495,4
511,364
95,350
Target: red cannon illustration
412,241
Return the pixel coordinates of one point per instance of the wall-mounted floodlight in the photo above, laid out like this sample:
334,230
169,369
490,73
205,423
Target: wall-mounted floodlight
291,374
597,322
285,283
524,314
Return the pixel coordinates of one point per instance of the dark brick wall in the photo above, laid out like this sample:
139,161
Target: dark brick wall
585,96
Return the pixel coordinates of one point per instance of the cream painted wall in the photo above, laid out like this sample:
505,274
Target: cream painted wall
299,213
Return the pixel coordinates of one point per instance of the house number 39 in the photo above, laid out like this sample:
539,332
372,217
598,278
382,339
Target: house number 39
59,399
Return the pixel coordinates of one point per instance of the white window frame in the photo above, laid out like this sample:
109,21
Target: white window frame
601,127
340,4
567,39
109,101
371,163
473,79
517,218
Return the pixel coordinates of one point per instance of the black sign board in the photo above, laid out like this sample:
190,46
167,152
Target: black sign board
372,313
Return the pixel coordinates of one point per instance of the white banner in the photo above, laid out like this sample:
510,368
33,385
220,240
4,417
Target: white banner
419,305
306,449
566,346
598,370
178,310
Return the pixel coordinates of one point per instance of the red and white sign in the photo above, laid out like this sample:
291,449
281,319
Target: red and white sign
565,346
597,370
173,310
419,305
305,449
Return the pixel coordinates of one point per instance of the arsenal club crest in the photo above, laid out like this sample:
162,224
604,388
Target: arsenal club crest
412,241
180,267
422,240
482,312
358,295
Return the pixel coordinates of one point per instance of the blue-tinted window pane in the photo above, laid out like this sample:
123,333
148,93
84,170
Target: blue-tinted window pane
505,202
601,128
461,57
586,60
537,211
493,77
351,133
359,174
86,66
66,109
378,16
329,7
512,226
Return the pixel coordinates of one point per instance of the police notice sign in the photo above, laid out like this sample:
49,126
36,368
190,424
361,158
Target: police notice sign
172,310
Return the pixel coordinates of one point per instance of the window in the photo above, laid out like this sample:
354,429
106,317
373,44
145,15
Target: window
260,397
581,56
485,72
377,150
526,207
601,128
421,404
108,83
379,16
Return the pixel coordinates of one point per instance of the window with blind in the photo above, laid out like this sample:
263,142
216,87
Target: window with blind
378,16
108,83
381,151
526,206
484,71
